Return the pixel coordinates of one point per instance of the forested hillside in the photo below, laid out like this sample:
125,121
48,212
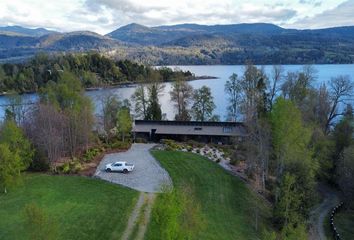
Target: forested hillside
93,70
193,44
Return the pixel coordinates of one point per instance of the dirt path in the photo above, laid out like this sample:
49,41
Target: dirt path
318,216
150,198
140,217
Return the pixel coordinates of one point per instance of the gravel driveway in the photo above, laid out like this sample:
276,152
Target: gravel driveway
147,176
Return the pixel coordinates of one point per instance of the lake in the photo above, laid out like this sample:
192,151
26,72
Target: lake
222,72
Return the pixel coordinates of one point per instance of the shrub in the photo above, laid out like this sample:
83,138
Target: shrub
234,161
141,140
120,145
38,225
170,145
65,168
40,162
90,154
74,166
195,144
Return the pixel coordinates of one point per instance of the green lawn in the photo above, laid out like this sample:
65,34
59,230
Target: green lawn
344,221
228,206
82,208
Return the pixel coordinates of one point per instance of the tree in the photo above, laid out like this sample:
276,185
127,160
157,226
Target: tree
17,109
124,122
67,96
277,76
253,90
233,90
345,172
14,138
154,108
340,88
203,105
10,167
343,138
110,108
295,166
46,128
289,203
181,94
140,99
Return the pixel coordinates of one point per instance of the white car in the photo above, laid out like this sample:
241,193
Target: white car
120,167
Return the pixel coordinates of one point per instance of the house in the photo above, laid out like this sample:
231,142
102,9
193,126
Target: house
209,132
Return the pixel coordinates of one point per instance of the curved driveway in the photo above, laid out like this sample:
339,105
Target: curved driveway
147,176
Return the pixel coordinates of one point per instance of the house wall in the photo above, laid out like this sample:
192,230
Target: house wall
184,138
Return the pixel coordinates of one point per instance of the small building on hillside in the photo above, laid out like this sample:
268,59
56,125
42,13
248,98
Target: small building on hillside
208,132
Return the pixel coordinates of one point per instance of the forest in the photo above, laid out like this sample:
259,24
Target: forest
93,70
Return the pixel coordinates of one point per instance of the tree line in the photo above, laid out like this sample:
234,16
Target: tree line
299,134
189,103
92,69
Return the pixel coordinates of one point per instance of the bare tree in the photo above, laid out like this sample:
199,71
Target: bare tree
182,94
233,90
110,106
141,100
340,89
18,108
253,85
277,76
258,146
46,129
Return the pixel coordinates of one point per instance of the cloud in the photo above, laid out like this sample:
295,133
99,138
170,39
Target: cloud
342,15
103,16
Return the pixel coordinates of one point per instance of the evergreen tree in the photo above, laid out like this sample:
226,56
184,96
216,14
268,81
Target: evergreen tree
154,108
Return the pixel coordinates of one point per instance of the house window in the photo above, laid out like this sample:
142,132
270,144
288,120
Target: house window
197,129
227,129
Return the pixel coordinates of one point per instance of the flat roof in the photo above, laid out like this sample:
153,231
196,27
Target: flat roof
230,129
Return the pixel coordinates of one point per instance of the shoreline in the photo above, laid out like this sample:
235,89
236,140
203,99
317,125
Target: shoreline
117,85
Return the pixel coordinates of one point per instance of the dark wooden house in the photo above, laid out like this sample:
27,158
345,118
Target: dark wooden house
209,132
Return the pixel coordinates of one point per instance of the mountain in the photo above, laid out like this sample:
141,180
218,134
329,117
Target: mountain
138,34
76,41
142,35
37,32
262,43
18,47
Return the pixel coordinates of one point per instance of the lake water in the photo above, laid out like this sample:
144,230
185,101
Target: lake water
222,72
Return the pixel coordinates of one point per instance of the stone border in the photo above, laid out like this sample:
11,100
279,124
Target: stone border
335,210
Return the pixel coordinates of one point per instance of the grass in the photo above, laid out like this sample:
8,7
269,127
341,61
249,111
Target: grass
229,208
344,221
83,208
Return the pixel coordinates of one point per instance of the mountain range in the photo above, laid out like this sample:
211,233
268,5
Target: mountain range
261,43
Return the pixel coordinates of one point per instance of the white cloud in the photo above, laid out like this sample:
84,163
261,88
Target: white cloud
103,16
342,15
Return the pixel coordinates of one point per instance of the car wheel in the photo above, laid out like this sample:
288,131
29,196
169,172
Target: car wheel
125,171
108,170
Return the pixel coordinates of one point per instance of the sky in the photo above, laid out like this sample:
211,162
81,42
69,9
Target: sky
104,16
